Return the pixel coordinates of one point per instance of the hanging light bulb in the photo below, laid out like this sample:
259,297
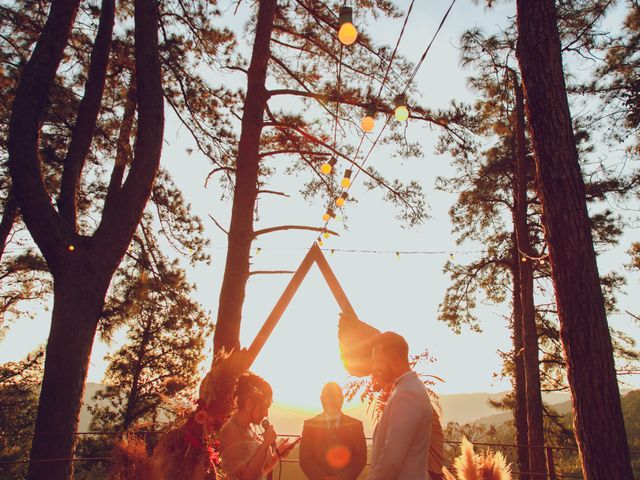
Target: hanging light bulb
368,122
347,34
524,259
320,242
71,248
341,199
346,180
401,112
397,255
325,234
327,167
329,214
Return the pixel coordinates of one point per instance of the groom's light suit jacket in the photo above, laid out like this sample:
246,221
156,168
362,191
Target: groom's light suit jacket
401,438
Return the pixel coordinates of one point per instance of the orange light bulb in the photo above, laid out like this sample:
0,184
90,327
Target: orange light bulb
367,124
347,34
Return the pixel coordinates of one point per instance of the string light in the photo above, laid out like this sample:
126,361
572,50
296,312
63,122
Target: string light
325,234
341,199
347,34
346,180
401,112
327,167
329,214
320,242
397,255
71,248
524,259
258,250
368,122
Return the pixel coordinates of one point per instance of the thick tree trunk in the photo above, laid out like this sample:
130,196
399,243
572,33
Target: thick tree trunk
584,332
236,273
519,376
537,459
76,308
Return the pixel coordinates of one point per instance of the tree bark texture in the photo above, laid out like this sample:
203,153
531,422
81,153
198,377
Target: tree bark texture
519,376
236,273
584,332
537,459
78,303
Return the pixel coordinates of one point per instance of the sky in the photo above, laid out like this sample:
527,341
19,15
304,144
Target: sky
389,292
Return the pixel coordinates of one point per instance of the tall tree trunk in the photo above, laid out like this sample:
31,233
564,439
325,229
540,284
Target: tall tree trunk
77,306
519,376
537,459
236,273
584,332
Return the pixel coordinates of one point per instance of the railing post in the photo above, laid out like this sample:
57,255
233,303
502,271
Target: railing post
550,465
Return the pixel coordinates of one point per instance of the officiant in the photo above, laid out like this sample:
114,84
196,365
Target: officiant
333,445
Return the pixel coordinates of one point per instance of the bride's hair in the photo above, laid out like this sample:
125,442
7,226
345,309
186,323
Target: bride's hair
252,386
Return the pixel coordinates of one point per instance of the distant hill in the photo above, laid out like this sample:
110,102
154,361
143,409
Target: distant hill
461,408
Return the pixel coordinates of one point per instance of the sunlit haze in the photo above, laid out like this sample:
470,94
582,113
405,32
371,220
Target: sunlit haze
391,292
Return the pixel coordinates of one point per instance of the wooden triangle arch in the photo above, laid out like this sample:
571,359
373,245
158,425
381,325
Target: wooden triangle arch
314,255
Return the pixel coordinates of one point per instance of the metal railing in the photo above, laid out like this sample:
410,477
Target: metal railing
551,473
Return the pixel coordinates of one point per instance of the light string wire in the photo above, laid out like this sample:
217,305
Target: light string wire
406,87
382,85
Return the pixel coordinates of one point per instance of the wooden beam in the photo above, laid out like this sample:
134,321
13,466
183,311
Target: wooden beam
280,307
314,255
332,281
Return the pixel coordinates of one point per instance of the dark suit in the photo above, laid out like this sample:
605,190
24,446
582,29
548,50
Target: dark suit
329,451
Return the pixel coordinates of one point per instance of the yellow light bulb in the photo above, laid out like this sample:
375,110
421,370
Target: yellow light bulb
347,33
524,259
401,113
320,242
346,182
340,201
367,123
71,248
325,168
325,217
325,234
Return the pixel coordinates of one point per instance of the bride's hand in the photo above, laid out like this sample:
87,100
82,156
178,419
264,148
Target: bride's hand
286,446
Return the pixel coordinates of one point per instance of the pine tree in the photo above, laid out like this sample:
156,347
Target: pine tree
166,334
19,388
81,265
585,335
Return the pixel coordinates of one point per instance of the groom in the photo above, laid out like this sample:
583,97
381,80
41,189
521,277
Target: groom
401,438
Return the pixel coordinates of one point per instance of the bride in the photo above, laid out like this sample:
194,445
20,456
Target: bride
246,455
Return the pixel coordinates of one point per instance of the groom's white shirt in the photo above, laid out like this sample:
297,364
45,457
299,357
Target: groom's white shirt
401,438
